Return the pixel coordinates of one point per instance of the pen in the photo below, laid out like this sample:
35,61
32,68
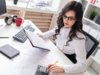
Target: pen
52,64
4,37
55,62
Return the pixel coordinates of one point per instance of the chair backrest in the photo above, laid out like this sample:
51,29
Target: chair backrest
91,45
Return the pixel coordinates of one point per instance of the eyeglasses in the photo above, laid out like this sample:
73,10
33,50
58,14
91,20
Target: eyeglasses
70,18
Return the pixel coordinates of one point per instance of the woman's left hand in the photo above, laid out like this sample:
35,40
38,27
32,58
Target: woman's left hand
55,69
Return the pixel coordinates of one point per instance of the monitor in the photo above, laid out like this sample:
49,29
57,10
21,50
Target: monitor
2,7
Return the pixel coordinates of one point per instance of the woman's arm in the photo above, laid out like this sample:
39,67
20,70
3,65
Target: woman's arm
80,66
49,33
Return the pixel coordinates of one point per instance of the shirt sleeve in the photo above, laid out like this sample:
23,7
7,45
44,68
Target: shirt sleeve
80,66
49,33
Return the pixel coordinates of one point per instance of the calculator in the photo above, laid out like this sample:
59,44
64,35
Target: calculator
42,70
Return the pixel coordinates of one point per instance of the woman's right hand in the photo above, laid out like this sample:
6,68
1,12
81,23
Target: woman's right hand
55,68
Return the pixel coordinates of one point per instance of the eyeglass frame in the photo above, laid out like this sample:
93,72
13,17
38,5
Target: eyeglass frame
69,18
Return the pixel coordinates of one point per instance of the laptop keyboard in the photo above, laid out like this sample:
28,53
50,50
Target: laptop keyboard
21,36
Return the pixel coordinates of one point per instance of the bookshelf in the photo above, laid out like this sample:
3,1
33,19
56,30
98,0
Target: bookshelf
91,9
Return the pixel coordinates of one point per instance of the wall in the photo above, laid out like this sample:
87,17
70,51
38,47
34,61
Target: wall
54,19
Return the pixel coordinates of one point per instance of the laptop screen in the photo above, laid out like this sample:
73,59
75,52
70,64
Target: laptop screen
28,38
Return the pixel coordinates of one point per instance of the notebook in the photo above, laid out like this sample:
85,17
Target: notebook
9,51
37,41
41,70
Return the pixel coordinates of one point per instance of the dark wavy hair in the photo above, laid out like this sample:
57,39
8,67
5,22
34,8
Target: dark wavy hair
77,27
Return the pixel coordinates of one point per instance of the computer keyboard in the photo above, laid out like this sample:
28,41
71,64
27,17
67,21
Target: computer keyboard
42,70
21,35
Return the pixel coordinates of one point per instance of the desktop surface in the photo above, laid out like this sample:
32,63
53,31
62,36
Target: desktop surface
26,63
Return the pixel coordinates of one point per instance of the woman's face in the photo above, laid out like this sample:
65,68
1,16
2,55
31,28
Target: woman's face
69,19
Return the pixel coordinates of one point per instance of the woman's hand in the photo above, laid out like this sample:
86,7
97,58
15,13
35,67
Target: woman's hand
40,35
55,69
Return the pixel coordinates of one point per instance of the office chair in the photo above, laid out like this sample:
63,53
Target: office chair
91,45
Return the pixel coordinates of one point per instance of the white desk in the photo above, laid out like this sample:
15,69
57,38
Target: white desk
26,63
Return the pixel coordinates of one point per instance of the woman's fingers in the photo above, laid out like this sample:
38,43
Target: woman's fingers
50,65
55,69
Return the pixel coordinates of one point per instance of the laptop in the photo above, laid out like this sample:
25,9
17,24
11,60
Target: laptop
36,41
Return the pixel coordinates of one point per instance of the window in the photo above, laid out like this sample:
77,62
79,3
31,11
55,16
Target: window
36,1
41,4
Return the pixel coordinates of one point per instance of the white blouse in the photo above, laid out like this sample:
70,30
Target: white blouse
76,46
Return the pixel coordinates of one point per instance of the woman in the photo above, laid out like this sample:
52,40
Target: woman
70,38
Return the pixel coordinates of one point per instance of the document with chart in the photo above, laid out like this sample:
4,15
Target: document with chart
37,41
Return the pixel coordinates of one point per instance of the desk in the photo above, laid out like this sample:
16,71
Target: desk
26,63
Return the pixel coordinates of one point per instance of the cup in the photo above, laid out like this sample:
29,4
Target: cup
18,21
15,2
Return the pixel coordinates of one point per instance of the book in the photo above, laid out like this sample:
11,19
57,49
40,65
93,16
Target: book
9,51
37,41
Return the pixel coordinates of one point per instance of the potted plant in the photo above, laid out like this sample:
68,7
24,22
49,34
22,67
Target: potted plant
93,14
